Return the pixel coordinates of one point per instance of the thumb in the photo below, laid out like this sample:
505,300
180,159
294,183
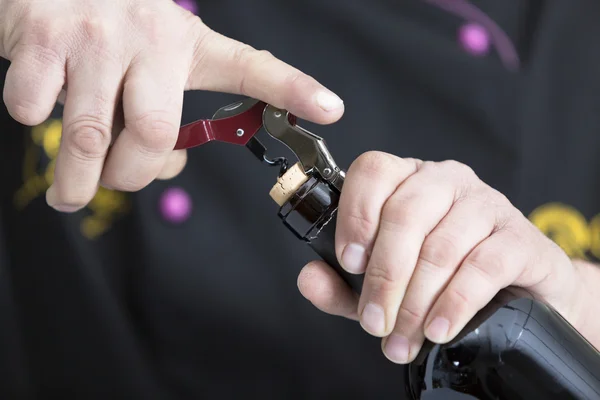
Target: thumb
225,65
326,290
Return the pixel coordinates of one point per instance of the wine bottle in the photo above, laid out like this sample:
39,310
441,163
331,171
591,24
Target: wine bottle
515,348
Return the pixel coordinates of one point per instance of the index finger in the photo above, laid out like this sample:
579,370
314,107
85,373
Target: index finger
370,181
225,65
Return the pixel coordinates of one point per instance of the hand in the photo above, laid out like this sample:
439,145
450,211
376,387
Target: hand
436,244
121,68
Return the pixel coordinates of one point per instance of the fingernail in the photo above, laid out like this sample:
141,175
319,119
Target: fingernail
329,101
397,349
437,331
354,258
373,319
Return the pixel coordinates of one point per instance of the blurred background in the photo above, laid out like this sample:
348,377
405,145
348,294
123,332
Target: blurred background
187,289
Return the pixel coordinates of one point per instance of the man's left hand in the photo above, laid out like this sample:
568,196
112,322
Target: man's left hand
436,244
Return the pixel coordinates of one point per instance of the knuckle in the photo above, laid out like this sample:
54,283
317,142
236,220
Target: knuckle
87,140
488,267
438,252
251,60
504,224
431,165
43,55
149,24
465,192
463,174
148,19
97,31
380,165
261,56
450,168
383,277
361,226
47,35
459,300
496,198
375,163
126,185
242,54
454,175
156,133
457,168
250,57
495,204
410,316
396,215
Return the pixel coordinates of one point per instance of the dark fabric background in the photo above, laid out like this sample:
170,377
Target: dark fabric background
210,308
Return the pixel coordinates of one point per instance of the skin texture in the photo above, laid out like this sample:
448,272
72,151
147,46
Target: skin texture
123,98
436,244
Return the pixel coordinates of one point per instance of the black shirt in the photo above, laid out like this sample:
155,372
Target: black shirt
116,302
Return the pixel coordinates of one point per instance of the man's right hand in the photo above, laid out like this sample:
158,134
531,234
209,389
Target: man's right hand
121,68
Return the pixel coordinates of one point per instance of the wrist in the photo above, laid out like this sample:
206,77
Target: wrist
587,301
561,285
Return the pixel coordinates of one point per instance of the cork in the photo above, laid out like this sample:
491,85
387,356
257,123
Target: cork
288,184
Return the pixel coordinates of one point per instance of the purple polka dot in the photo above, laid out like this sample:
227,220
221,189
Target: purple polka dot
175,205
474,39
189,5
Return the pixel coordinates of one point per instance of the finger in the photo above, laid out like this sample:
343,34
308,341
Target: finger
494,264
90,103
224,65
175,164
407,217
117,124
370,181
324,288
152,102
33,83
469,222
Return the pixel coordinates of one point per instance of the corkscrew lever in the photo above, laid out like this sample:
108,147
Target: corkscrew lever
310,149
238,123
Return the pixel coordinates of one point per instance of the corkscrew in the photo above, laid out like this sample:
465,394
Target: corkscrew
316,172
514,349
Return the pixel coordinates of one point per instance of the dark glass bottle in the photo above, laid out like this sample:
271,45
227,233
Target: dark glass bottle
515,348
